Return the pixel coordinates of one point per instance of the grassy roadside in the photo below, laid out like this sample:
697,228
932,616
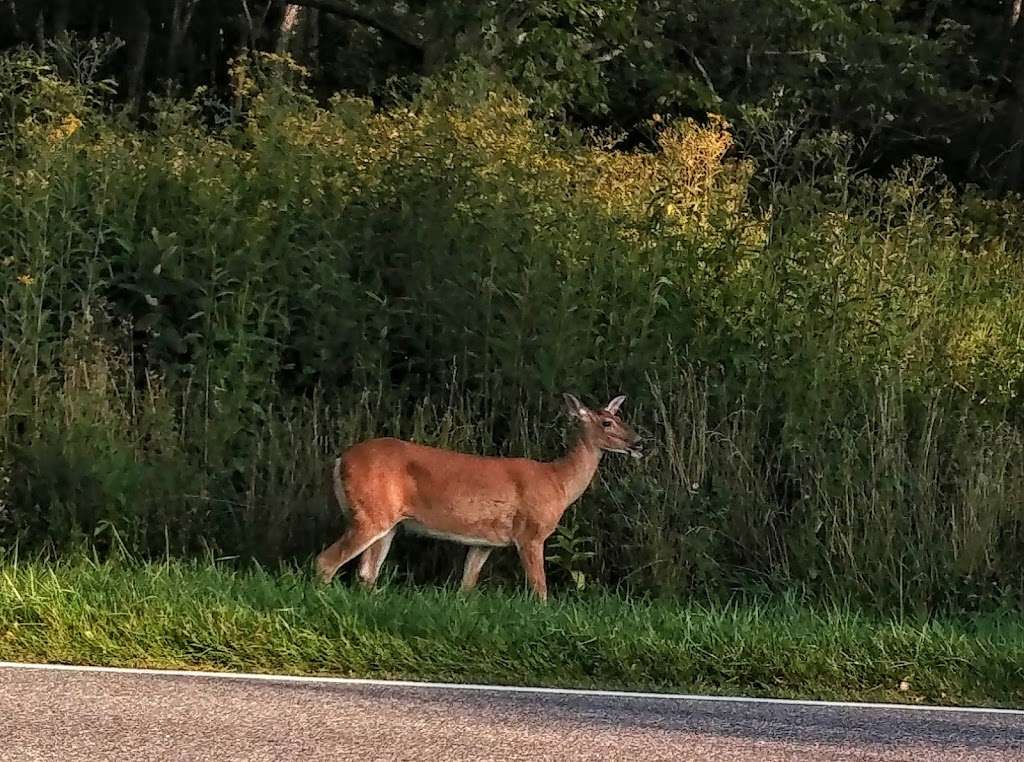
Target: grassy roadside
200,616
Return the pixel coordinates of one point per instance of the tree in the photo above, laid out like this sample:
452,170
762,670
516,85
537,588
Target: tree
905,76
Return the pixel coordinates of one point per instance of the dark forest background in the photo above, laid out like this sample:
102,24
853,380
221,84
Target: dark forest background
906,77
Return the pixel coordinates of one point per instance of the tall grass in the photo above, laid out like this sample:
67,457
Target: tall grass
198,313
209,616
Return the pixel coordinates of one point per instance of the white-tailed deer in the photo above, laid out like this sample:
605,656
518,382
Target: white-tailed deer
482,502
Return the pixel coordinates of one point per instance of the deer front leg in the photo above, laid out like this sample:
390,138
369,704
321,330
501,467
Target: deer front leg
531,554
475,559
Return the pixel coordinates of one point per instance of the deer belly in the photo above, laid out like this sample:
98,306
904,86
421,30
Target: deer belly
415,527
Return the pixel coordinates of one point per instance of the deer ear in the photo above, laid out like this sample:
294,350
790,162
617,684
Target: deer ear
575,407
613,406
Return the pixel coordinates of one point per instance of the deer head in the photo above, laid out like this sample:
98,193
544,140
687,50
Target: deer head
604,429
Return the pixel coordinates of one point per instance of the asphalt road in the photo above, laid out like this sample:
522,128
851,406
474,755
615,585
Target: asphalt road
71,715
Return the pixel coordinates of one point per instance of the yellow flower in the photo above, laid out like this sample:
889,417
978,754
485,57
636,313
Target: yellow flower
68,127
26,279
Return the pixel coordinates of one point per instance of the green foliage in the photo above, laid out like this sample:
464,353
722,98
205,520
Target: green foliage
196,318
937,78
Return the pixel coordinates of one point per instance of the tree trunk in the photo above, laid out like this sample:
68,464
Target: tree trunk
310,39
94,23
928,17
181,20
41,30
290,23
135,31
12,12
1013,168
387,24
261,34
175,35
272,25
61,17
1009,72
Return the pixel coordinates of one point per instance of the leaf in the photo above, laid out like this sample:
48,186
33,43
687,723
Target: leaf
147,321
173,339
580,580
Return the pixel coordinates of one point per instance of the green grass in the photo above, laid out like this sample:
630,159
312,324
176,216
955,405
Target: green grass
203,616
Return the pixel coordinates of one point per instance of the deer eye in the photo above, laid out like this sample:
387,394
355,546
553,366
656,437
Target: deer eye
606,423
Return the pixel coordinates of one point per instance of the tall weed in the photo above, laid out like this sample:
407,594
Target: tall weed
199,313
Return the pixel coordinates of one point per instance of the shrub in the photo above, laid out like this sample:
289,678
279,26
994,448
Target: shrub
199,312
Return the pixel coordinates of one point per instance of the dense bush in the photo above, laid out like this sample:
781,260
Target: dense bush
198,314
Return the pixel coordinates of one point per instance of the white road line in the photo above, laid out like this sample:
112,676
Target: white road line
349,681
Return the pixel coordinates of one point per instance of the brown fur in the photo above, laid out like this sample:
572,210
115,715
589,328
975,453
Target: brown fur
483,502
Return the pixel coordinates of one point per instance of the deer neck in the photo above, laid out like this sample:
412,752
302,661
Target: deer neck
577,467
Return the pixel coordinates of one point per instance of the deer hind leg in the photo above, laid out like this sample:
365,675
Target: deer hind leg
355,540
531,554
373,558
475,559
360,535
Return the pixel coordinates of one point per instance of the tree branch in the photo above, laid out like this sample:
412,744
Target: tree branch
345,11
700,67
248,19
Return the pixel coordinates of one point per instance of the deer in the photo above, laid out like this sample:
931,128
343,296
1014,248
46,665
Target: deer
483,502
